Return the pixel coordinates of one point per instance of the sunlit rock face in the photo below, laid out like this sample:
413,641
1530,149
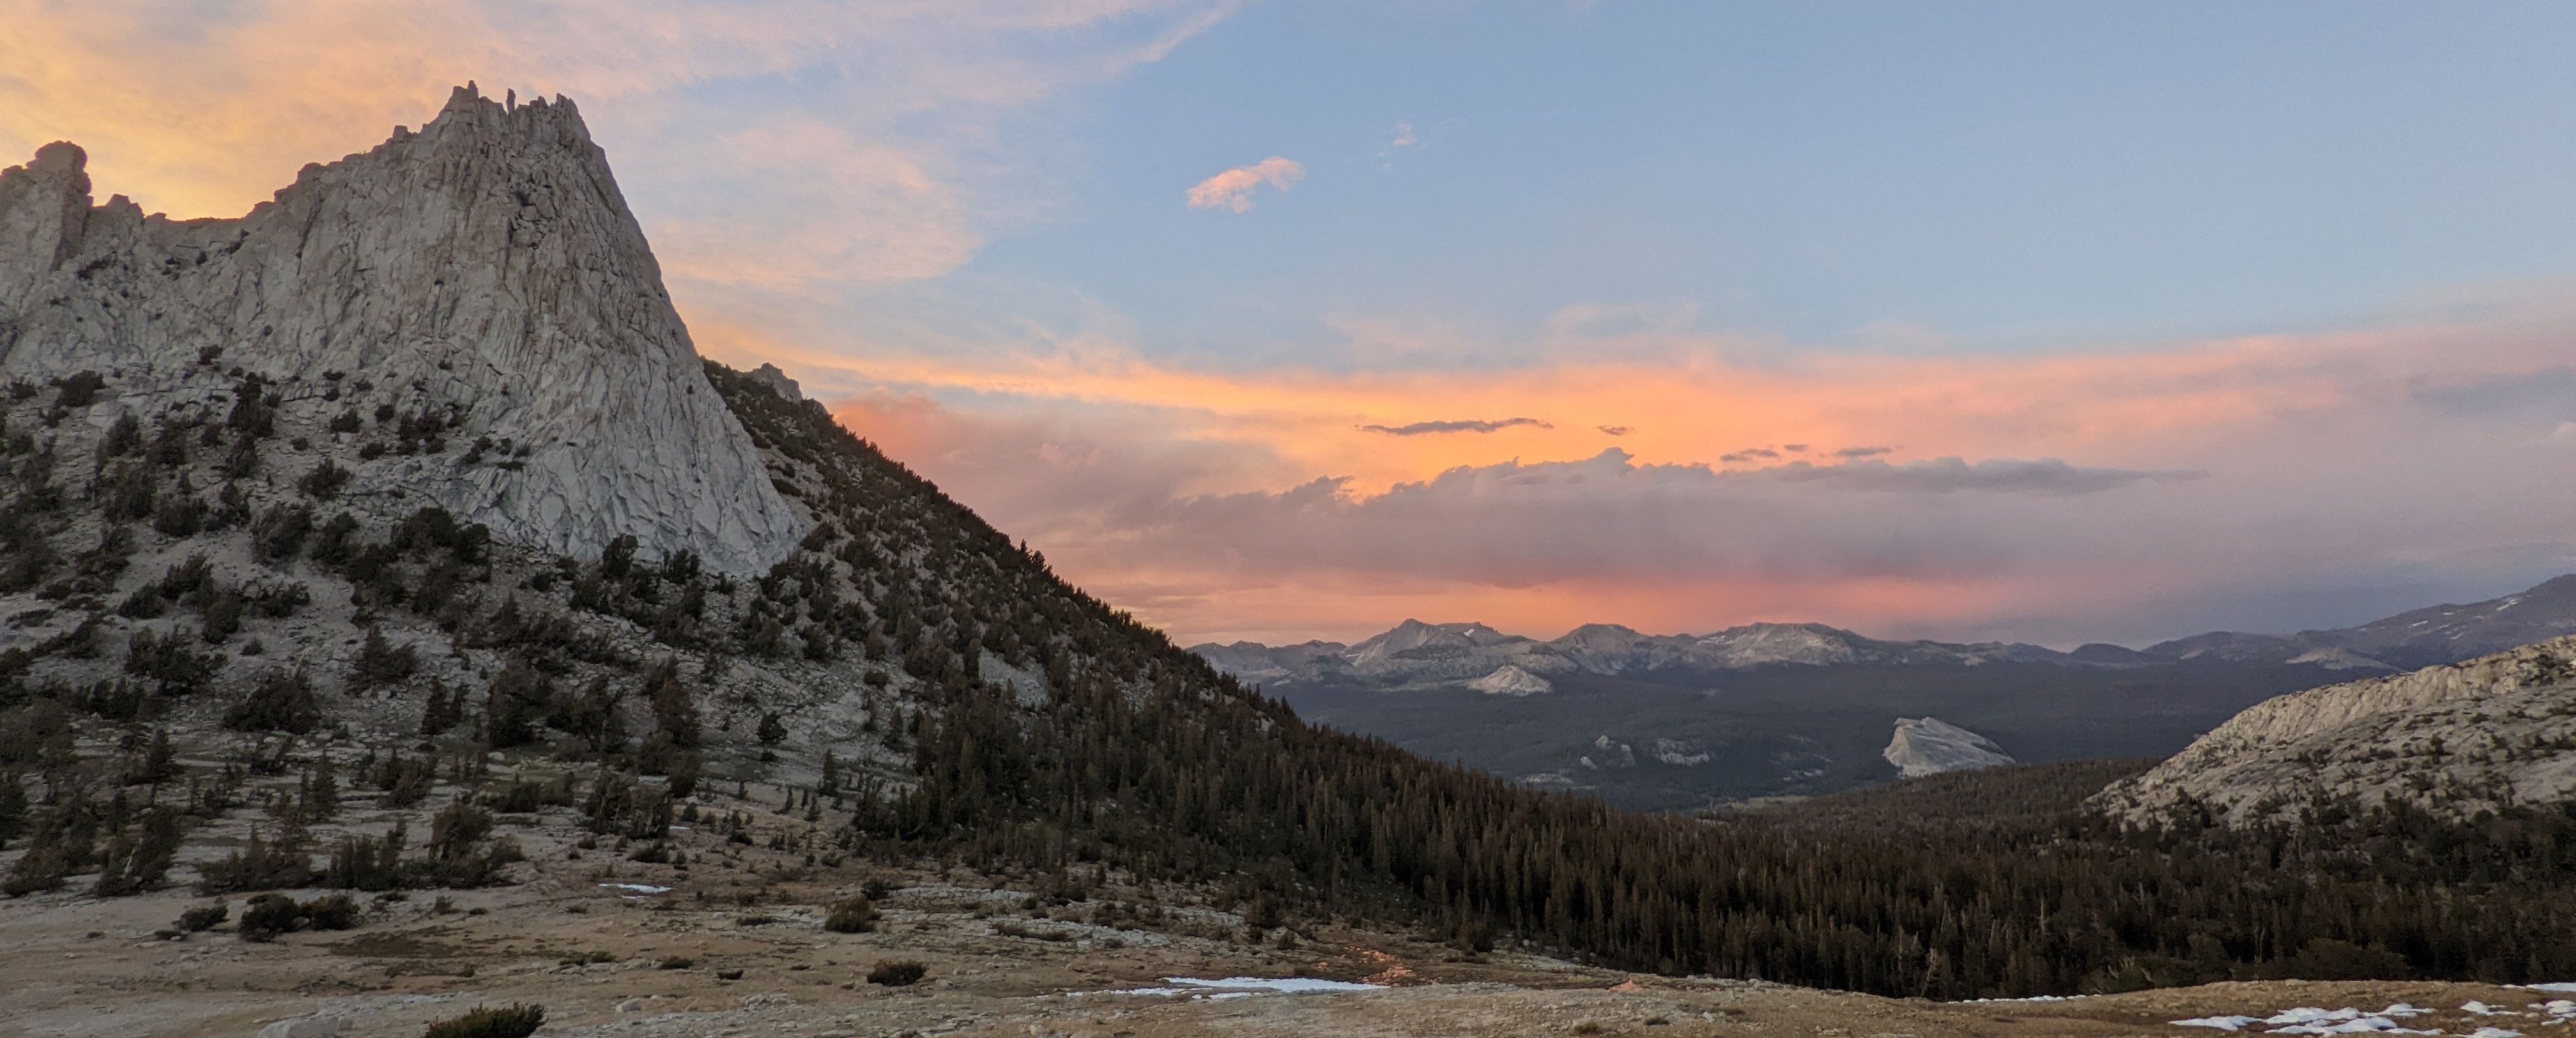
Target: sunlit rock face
2451,740
1508,680
483,273
1929,746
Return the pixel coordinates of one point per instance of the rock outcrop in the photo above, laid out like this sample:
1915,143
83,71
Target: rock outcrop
1508,680
2451,739
483,276
1929,746
777,381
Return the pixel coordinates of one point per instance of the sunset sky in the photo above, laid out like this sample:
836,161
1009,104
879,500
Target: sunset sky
1275,320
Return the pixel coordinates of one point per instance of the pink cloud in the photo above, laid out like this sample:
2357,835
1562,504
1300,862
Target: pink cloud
2060,496
1232,189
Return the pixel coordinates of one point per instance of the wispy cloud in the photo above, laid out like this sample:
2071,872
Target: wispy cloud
1454,425
885,161
1232,190
1863,452
1615,430
1404,136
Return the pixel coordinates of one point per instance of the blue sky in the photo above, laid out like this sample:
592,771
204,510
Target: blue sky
2006,175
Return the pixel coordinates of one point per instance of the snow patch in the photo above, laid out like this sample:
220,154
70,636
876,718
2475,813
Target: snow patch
1679,753
2313,1020
1283,985
2339,659
1242,987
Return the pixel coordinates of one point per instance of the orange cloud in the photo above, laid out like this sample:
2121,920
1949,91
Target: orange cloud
2135,409
1200,496
1232,189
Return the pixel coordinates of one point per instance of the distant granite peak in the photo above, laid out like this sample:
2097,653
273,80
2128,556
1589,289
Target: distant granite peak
1930,746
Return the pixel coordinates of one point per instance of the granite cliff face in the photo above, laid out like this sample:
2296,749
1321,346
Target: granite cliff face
482,274
1508,680
2452,739
1930,746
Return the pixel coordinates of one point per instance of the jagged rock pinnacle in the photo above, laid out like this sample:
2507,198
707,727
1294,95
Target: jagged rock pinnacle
485,267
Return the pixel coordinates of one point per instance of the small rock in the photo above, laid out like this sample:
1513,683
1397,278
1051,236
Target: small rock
632,1005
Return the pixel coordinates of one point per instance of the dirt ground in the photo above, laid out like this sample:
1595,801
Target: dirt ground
77,966
731,942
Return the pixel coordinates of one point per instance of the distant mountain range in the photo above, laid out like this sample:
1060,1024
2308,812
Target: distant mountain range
1679,721
1417,653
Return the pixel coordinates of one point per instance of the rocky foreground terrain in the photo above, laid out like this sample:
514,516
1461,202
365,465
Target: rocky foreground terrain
730,940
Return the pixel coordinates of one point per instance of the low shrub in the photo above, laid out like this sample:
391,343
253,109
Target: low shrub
512,1021
331,912
896,973
268,915
204,917
281,701
851,915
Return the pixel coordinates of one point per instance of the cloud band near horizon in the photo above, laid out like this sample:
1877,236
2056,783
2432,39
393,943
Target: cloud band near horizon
2254,483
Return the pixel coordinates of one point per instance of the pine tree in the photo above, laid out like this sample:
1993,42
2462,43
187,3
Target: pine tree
674,710
160,760
446,709
13,807
380,663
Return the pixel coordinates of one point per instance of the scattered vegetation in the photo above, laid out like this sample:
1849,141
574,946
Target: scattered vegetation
511,1021
204,917
851,915
897,973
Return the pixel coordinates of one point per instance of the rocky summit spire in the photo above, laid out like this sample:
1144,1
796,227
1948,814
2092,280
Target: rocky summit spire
484,271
